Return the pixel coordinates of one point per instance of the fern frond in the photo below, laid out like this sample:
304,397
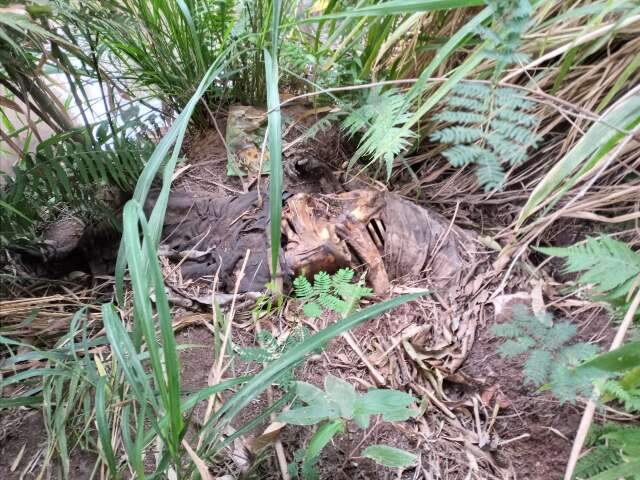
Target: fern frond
514,347
512,99
473,90
578,353
468,103
599,459
302,288
559,334
457,135
567,384
335,293
548,359
490,173
461,155
507,330
521,117
382,118
493,119
536,368
629,397
613,444
333,303
492,126
608,264
343,276
321,282
515,132
459,116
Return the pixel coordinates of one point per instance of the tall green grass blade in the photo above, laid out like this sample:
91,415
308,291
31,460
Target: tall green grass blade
586,155
398,7
447,49
629,70
275,138
275,156
104,430
169,351
125,353
174,137
132,448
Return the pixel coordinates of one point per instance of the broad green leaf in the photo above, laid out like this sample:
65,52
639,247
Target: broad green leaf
309,415
390,456
342,393
617,361
624,470
309,393
392,404
321,438
275,154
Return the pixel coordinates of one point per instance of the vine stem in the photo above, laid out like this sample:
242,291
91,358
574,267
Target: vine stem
589,411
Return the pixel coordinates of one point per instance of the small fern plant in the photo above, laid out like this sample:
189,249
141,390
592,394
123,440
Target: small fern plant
610,265
491,126
550,358
382,118
334,293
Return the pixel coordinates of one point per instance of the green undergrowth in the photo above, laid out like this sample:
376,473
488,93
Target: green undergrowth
554,360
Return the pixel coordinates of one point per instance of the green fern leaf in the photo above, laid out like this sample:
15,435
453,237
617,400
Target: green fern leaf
461,155
459,117
537,367
513,348
608,264
457,135
333,303
507,330
382,118
559,334
490,173
472,90
629,397
302,287
579,352
312,310
343,276
473,105
598,460
321,282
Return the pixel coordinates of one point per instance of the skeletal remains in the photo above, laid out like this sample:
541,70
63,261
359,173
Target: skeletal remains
387,236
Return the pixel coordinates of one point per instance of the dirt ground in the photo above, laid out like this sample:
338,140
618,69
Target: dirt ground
528,437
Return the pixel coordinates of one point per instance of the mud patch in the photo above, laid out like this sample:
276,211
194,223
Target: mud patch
23,448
